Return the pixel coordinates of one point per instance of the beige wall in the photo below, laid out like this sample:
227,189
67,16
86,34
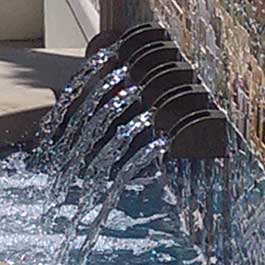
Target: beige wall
70,23
21,19
26,19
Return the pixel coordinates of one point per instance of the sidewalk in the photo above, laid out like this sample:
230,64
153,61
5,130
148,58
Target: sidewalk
30,81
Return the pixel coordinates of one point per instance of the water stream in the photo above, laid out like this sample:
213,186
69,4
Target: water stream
98,172
91,133
135,232
148,211
139,161
80,81
55,154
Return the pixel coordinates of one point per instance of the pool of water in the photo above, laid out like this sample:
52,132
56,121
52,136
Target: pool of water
143,229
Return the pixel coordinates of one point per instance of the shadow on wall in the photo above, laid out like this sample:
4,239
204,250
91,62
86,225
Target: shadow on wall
39,69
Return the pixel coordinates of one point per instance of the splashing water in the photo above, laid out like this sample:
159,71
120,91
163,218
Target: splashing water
95,182
156,245
187,182
52,120
247,213
220,204
56,153
215,209
200,189
202,224
92,132
139,161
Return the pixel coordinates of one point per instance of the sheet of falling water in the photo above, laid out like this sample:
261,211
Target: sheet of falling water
144,229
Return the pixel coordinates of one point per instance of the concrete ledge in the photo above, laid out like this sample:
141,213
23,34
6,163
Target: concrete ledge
30,80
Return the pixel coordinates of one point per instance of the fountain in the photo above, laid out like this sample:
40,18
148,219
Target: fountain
149,127
93,69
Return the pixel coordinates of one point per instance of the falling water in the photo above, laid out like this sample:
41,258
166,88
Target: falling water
202,223
41,245
220,203
95,183
53,119
56,153
91,133
187,179
139,161
247,191
216,211
155,243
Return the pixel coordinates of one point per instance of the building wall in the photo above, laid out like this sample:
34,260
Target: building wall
118,15
225,41
21,19
70,23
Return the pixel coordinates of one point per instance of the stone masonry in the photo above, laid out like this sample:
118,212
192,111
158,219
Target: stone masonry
225,41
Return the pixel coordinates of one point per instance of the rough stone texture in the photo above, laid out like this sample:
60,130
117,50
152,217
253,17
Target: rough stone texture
225,41
30,79
228,53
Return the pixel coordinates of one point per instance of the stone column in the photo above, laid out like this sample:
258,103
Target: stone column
118,15
113,15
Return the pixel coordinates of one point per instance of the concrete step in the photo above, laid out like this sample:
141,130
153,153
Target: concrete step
30,81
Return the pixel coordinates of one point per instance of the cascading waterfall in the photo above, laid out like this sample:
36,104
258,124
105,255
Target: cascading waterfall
220,204
48,244
197,183
91,133
247,189
53,119
187,178
139,161
55,154
95,183
190,211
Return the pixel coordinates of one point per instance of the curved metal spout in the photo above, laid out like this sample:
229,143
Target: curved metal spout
146,48
166,80
158,69
159,81
138,27
130,41
138,39
177,103
143,64
201,135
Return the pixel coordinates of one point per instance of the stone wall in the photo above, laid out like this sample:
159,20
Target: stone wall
225,41
118,15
